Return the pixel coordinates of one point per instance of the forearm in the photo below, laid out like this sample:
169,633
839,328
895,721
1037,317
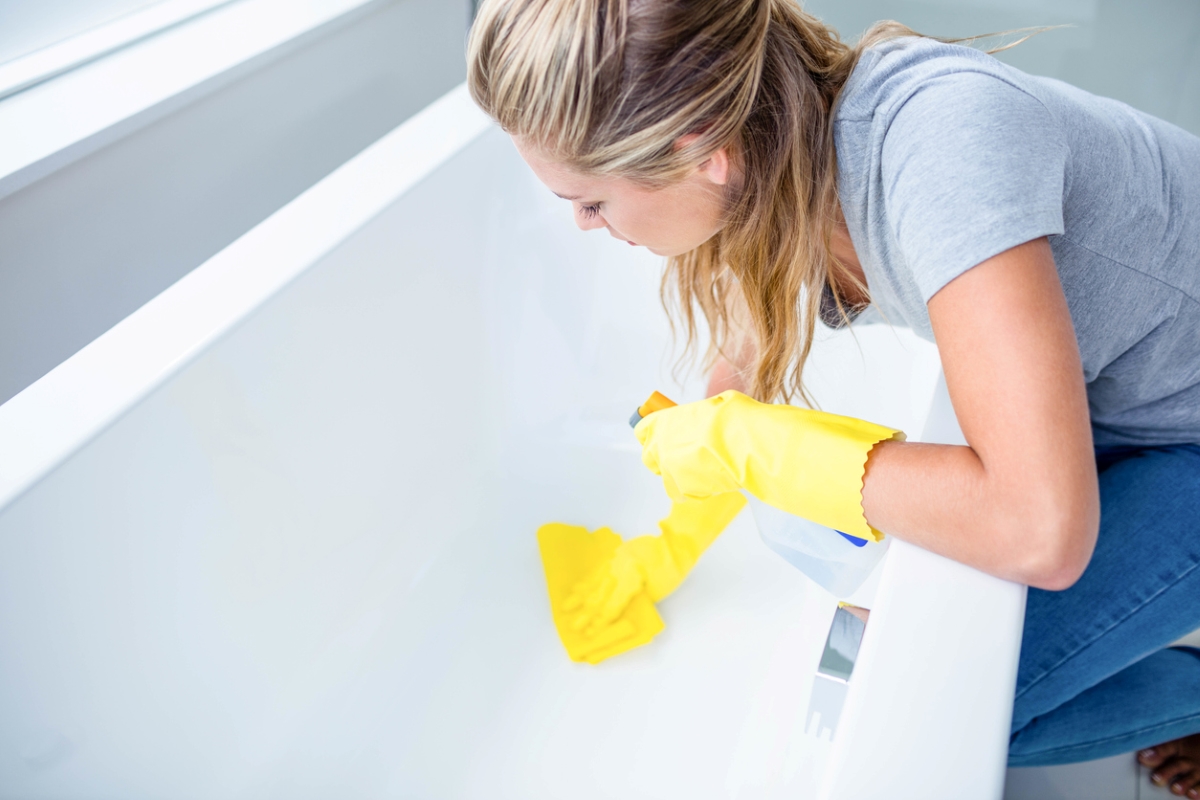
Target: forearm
724,376
1022,501
685,533
1028,528
733,372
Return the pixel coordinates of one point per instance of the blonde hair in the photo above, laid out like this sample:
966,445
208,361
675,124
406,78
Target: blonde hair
608,87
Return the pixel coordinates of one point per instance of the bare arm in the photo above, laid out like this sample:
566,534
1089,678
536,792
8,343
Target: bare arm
1021,502
732,373
724,376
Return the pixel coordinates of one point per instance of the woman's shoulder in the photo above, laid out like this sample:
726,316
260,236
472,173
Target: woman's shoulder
890,73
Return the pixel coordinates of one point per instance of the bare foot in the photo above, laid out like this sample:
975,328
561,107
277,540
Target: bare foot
1176,764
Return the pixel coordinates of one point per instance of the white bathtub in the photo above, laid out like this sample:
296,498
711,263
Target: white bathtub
273,534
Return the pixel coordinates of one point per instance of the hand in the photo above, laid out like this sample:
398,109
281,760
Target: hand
805,462
572,556
603,589
599,599
684,445
647,563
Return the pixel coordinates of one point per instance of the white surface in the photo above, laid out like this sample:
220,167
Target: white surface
931,695
92,43
55,122
46,422
298,558
25,26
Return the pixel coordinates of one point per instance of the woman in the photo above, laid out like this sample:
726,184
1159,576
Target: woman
1046,239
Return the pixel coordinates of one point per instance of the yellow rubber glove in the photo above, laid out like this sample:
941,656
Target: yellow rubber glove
569,555
808,463
603,590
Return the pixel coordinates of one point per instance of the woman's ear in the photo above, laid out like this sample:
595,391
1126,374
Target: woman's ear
715,167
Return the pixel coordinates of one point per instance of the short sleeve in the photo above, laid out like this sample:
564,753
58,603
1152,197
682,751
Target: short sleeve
971,166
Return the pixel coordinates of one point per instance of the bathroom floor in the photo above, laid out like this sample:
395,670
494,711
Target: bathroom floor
1116,778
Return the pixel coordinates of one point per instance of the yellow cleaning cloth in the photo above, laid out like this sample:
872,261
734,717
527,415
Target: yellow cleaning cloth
805,462
571,555
603,589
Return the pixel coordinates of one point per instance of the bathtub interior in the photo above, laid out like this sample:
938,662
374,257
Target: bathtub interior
305,564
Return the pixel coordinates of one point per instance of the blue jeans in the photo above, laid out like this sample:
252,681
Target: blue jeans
1096,675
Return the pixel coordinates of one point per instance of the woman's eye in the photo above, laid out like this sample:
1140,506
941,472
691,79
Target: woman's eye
589,211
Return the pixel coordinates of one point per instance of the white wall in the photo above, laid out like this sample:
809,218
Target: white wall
1146,54
85,246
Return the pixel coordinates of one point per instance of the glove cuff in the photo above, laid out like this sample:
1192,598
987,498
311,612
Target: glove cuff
814,468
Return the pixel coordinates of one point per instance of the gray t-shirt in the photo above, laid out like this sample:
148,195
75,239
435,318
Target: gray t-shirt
947,157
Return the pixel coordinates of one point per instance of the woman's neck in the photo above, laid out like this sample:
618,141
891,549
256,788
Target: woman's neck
843,251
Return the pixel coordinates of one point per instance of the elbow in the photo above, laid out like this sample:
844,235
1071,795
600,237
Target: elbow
1057,573
1058,553
1050,526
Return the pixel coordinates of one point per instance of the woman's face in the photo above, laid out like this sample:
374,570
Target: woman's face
667,222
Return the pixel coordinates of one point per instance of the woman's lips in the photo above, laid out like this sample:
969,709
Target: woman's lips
632,244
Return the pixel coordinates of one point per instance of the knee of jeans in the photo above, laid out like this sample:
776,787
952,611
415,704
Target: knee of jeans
1021,718
1016,753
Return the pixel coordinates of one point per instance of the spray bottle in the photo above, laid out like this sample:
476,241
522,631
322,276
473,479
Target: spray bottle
839,562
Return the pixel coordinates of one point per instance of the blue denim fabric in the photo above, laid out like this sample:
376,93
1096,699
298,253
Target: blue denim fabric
1096,675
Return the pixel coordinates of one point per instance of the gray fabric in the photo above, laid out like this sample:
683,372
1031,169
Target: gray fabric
831,315
947,157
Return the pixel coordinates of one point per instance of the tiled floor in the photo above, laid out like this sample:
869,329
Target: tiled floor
1117,778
